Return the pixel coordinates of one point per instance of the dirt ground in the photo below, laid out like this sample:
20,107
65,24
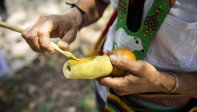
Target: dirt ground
42,87
36,82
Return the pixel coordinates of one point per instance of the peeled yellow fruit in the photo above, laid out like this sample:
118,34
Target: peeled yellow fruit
88,68
126,53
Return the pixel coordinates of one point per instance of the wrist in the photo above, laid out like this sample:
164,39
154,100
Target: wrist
77,16
174,89
89,8
168,82
83,17
93,9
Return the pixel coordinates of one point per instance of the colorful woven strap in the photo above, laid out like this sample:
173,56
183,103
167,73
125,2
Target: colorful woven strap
141,103
115,104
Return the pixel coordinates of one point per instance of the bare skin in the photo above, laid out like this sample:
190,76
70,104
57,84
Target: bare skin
141,76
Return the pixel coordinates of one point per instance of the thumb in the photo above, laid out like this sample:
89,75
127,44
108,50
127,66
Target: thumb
122,63
133,67
67,39
63,45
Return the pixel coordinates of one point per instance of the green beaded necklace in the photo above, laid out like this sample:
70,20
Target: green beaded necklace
148,28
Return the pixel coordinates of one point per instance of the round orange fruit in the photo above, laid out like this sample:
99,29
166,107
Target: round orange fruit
126,53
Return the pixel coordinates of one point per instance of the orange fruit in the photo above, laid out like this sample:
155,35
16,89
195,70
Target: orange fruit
126,53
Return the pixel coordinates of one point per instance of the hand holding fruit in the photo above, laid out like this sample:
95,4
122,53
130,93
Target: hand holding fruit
140,77
136,76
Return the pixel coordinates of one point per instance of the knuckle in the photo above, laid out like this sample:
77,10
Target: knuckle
100,81
55,18
121,61
41,32
24,34
143,64
44,45
52,16
117,61
30,37
103,84
118,85
118,92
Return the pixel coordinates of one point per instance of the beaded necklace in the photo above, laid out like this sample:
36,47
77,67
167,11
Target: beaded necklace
141,39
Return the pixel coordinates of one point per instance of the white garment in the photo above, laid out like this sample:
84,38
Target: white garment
174,48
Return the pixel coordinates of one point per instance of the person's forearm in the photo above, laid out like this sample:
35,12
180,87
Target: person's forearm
187,83
93,9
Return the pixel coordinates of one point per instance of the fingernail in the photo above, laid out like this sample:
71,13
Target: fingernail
113,58
63,45
51,50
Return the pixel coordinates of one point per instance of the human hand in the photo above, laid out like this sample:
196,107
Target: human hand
140,77
64,26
